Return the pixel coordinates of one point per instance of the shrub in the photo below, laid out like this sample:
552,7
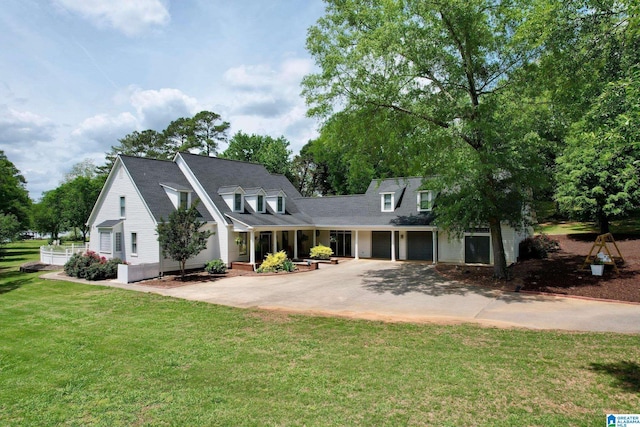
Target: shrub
216,266
538,247
91,266
321,252
276,262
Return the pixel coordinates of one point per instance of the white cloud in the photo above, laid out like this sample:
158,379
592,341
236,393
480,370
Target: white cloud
157,108
105,129
23,127
131,17
267,100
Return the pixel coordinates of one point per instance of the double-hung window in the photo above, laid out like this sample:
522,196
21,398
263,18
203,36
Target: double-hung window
260,203
280,204
184,200
387,202
425,200
134,243
122,207
237,202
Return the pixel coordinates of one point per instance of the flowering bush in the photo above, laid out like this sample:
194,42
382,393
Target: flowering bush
276,262
321,252
92,266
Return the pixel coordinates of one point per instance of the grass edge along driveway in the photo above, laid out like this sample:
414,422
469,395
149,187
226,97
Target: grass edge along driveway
73,354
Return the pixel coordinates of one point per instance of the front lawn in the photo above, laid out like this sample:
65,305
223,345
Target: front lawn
75,354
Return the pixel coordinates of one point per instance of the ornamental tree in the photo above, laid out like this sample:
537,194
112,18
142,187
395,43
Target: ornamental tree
181,237
450,65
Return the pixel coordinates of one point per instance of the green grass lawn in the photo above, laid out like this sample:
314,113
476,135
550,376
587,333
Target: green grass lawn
627,226
80,355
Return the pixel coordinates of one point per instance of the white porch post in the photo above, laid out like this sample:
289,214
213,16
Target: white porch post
274,242
252,247
357,249
434,235
393,245
295,244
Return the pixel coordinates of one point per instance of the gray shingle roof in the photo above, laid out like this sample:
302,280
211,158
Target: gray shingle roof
110,223
215,174
148,174
365,209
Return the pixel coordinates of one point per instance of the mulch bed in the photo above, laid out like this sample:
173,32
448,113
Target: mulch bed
561,272
169,281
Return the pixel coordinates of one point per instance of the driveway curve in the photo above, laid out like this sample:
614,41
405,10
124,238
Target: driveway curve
405,291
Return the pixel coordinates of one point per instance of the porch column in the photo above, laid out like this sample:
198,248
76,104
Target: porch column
252,247
356,247
274,242
434,235
314,238
295,244
393,245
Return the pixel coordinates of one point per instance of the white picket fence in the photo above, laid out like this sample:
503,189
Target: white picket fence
59,255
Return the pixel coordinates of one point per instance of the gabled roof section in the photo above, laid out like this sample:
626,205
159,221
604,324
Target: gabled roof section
148,175
230,189
254,191
215,175
175,187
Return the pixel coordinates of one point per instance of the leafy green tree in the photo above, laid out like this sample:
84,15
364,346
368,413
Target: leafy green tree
48,214
446,64
78,197
14,198
208,130
9,229
310,175
180,237
148,143
599,170
86,168
273,153
179,135
592,73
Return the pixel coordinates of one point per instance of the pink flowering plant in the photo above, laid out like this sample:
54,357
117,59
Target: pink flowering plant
92,266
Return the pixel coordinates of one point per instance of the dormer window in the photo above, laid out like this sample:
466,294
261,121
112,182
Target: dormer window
280,204
386,202
233,196
237,202
184,200
276,201
425,201
260,203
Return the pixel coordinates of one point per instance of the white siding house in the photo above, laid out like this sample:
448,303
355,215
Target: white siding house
253,212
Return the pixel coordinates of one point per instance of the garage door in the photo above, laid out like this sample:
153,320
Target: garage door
381,244
420,245
477,250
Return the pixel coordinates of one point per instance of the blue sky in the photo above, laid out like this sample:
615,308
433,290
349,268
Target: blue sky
77,75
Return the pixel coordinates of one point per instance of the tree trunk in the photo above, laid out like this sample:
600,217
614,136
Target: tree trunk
182,266
499,259
603,222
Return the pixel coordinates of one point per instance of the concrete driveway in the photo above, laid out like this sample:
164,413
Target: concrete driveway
405,291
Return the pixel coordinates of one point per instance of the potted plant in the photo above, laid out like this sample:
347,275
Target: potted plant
597,267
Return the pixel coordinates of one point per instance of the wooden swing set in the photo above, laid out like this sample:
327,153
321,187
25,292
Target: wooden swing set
600,246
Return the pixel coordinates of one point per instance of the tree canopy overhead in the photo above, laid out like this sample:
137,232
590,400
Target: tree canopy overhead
455,66
14,198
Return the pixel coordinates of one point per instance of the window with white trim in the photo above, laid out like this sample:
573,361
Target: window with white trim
237,202
118,242
260,203
134,243
425,201
280,204
184,200
122,207
386,202
105,241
